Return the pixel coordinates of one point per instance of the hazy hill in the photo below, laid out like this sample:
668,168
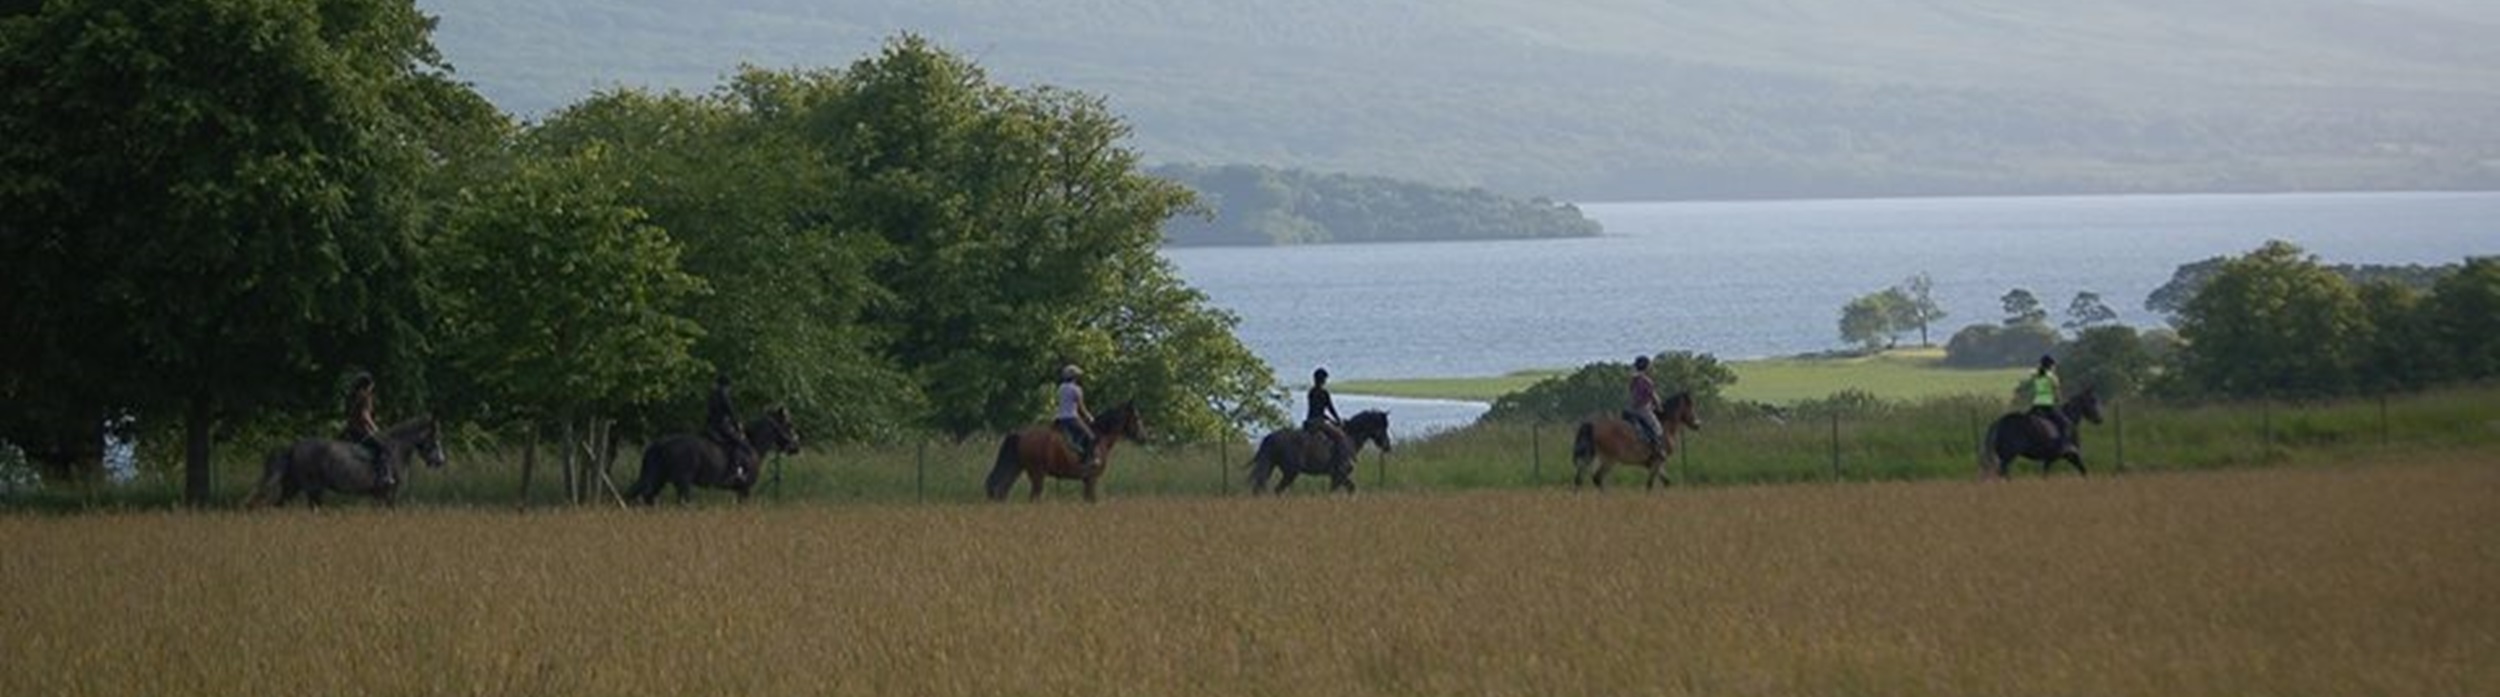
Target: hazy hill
1599,99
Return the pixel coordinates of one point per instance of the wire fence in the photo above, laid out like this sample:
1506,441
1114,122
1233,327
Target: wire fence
1939,439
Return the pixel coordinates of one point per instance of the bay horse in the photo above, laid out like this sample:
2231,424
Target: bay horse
1611,439
1040,451
1297,452
2021,435
687,460
317,466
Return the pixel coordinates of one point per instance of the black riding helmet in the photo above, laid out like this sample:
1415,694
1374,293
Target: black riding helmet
1320,375
1640,363
2048,361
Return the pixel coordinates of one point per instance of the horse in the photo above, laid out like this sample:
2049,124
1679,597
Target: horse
1611,439
2021,435
317,466
1040,451
687,461
1297,452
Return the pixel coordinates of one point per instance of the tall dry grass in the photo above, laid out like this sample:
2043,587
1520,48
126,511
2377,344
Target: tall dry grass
2303,580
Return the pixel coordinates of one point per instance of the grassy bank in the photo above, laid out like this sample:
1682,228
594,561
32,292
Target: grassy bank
2372,577
1907,374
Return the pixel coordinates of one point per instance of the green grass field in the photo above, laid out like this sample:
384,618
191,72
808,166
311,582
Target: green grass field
1903,375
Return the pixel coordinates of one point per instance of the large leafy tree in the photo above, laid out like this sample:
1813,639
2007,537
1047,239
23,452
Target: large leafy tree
2464,314
208,206
2273,322
1022,238
1602,388
558,298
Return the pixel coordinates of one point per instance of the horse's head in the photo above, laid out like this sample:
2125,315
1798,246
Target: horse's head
1122,421
1371,425
1679,410
2085,406
422,435
774,432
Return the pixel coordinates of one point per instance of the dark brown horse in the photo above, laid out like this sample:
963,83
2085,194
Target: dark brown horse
1297,452
317,466
1608,440
1039,452
2021,435
687,461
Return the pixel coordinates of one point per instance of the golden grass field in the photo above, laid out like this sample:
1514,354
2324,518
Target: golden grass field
2358,579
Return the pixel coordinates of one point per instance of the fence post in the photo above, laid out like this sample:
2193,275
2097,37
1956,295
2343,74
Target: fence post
2265,421
1223,454
2118,422
1835,444
1536,453
2382,420
1380,480
1684,449
920,467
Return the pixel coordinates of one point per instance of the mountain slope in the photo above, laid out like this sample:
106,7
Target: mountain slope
1593,99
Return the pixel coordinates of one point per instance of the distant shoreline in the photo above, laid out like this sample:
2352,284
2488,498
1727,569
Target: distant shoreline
1902,374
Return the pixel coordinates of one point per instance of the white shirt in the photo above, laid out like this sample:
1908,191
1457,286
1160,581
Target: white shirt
1069,395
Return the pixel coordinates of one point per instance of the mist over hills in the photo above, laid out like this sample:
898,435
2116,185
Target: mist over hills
1645,99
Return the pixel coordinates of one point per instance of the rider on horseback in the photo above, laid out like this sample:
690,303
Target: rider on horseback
720,424
1321,418
2042,387
1073,419
1644,410
363,431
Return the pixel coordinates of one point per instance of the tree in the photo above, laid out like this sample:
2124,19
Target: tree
1601,388
2462,311
2087,311
2022,308
2272,323
1992,346
1871,321
1919,305
559,297
2403,350
209,207
2112,359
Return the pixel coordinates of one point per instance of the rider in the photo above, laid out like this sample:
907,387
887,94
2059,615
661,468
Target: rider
1073,419
1321,418
2043,389
720,423
1644,409
362,430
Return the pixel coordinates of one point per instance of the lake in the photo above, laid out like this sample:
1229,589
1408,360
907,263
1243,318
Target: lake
1768,278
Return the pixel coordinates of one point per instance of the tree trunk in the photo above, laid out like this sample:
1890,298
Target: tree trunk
197,423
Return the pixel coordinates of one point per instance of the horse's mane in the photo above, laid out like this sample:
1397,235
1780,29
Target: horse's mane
409,428
1111,419
1368,415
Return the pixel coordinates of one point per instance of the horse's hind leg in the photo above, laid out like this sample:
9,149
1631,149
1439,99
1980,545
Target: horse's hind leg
2077,461
1034,476
1603,469
1287,481
1090,482
1657,475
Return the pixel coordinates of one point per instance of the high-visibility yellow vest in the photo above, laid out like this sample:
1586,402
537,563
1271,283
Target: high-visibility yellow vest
2044,390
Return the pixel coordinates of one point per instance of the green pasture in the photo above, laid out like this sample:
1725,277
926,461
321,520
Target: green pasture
1932,438
1907,374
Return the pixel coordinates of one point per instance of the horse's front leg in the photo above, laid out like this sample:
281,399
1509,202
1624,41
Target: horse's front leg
2076,459
1657,475
1090,483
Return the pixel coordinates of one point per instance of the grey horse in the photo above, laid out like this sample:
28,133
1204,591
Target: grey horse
317,466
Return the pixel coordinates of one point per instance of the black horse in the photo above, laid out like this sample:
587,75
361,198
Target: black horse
688,461
2022,435
1297,452
317,466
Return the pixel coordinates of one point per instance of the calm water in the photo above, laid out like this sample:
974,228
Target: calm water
1751,279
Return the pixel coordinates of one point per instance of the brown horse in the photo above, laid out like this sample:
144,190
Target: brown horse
1608,440
1297,452
317,466
687,461
1040,452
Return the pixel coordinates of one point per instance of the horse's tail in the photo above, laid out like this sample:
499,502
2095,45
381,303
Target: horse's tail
648,484
273,469
1003,474
1262,459
1584,444
1989,462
